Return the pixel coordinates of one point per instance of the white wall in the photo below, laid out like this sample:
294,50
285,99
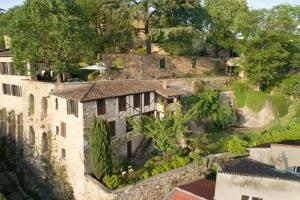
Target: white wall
232,187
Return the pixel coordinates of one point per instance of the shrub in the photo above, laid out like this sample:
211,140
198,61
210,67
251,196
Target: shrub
237,146
145,175
112,182
117,64
92,76
157,170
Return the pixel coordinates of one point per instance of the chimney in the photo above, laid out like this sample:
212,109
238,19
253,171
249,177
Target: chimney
165,84
6,41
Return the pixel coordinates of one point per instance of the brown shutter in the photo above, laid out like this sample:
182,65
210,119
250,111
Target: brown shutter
137,100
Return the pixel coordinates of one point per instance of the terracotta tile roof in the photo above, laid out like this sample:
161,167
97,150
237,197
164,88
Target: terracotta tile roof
249,167
91,91
5,53
178,194
202,189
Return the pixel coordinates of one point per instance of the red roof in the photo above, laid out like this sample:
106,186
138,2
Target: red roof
202,189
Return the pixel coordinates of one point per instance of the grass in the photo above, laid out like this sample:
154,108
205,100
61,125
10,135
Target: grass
255,100
2,197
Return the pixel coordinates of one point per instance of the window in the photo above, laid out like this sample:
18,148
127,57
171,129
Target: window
170,100
122,103
101,109
3,68
56,104
162,63
72,107
128,126
194,62
244,197
63,154
137,100
147,98
16,90
112,127
296,169
57,130
63,129
256,198
6,89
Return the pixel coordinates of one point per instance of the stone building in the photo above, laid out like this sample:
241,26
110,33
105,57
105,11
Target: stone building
272,171
31,111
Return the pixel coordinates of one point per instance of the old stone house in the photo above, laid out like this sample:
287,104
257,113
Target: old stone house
31,111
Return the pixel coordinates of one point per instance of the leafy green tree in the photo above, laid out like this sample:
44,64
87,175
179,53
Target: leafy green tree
162,15
53,32
222,14
269,42
111,22
208,106
165,132
100,147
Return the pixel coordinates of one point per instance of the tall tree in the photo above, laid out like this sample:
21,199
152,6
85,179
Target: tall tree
222,14
53,32
100,147
269,42
157,14
111,22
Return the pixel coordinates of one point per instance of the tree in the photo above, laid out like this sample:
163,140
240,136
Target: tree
52,32
208,106
111,22
222,14
162,15
165,132
100,147
269,43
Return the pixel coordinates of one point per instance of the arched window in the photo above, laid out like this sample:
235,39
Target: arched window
44,106
44,142
31,136
31,105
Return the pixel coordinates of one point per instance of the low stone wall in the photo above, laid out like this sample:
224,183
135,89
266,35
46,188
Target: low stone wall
155,188
148,66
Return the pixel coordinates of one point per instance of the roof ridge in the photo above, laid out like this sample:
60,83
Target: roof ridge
86,93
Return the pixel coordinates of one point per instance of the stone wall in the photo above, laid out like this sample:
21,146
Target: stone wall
148,66
154,188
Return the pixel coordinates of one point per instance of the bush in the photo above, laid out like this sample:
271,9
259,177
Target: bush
145,175
112,182
289,86
117,64
92,76
237,146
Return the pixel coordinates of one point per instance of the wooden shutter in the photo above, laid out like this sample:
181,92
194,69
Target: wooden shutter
122,103
101,109
137,100
147,98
